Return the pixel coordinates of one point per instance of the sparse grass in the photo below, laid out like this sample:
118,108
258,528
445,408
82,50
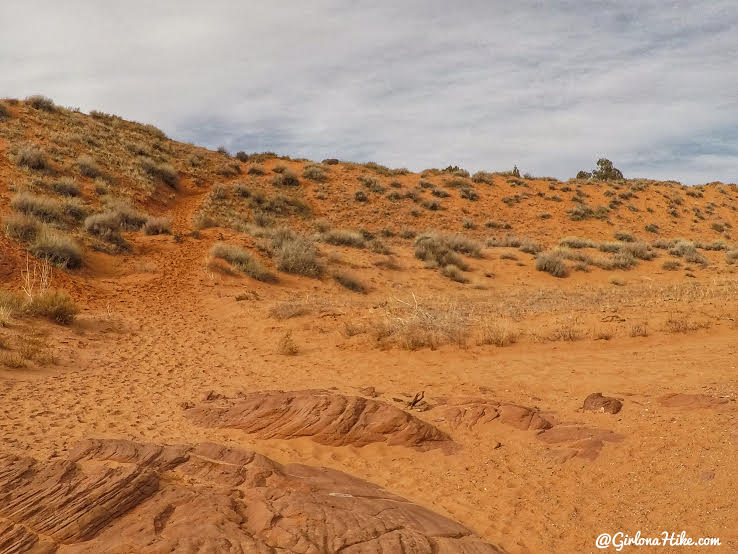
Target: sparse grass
157,226
242,261
66,186
683,325
552,263
498,333
343,237
638,330
671,265
350,282
530,247
290,308
577,242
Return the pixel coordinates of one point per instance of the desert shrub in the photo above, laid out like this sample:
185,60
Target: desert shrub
40,102
88,167
343,237
718,227
350,282
223,150
440,193
242,156
360,196
688,251
331,161
55,305
621,260
280,204
731,256
652,228
106,226
423,184
157,226
66,186
295,254
285,179
639,250
493,224
280,168
530,247
436,251
624,237
432,205
714,245
21,227
58,249
4,112
577,242
32,157
74,208
671,265
243,261
505,241
610,247
287,345
44,208
314,172
407,233
463,244
467,223
228,169
255,169
453,272
469,194
372,183
552,263
164,172
421,327
498,333
240,189
482,177
130,218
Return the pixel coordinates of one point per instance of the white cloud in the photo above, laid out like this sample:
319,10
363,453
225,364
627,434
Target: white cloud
549,86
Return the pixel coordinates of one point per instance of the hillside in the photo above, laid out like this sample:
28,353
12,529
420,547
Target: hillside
158,293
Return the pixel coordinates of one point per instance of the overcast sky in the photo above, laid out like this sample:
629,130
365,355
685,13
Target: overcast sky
549,86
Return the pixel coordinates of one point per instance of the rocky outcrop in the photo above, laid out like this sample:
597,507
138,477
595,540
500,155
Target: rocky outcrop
595,402
125,497
325,417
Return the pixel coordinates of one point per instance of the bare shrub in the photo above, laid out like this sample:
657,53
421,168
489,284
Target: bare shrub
287,345
32,157
157,226
552,263
164,172
40,102
497,332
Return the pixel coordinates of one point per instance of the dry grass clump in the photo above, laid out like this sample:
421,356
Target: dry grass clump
483,177
130,218
343,237
671,265
731,256
350,282
295,254
89,167
54,305
40,102
290,308
453,272
243,261
577,242
157,226
433,249
285,179
530,247
106,226
255,169
32,157
497,332
162,171
21,227
66,186
314,172
4,112
505,241
57,248
688,251
683,325
552,263
411,326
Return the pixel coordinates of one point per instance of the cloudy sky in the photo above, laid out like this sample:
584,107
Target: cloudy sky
485,84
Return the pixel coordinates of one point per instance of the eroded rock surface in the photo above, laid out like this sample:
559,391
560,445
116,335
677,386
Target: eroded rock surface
579,441
680,400
125,497
326,417
472,412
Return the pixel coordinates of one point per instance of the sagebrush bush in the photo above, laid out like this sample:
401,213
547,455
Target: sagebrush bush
433,249
454,273
505,241
285,179
622,236
314,172
350,282
343,237
360,196
157,226
552,263
731,256
530,247
577,242
43,208
483,177
32,157
66,186
106,226
672,265
59,249
372,183
130,218
40,102
164,171
243,261
88,167
295,254
4,111
21,227
255,169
